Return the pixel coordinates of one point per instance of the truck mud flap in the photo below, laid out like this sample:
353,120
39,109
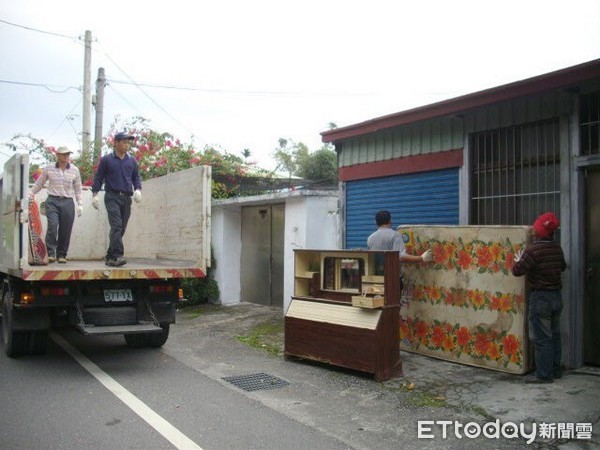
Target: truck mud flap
119,329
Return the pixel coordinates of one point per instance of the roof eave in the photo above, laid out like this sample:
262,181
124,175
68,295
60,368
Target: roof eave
559,79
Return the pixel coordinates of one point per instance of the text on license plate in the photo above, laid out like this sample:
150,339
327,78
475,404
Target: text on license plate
118,295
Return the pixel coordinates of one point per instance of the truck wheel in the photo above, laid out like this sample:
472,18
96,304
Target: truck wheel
157,340
139,340
15,342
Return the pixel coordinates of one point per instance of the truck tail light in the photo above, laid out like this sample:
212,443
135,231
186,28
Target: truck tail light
159,289
27,298
54,291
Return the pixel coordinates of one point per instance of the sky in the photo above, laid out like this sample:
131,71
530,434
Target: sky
238,74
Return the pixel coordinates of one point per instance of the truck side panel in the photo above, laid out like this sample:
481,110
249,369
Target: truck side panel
13,189
168,235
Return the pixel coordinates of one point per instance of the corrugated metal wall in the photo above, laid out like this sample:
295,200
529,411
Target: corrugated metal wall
420,198
448,133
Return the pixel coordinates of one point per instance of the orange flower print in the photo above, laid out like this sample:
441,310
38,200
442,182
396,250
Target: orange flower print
464,259
448,343
437,336
450,248
495,251
421,329
505,303
463,337
510,261
439,254
481,344
511,345
449,297
478,299
495,303
435,294
493,351
484,258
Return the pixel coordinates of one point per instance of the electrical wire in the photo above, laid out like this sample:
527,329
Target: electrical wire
73,38
23,83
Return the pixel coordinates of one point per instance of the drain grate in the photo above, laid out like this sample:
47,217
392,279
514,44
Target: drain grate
256,381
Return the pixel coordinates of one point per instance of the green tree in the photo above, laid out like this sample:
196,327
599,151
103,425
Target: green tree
296,159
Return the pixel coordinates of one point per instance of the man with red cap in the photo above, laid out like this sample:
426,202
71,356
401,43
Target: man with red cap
542,262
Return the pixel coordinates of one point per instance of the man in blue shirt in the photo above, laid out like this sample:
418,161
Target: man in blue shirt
119,173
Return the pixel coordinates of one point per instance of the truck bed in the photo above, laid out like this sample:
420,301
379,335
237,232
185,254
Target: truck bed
136,268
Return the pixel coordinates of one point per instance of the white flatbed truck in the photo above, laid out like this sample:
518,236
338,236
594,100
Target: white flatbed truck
167,239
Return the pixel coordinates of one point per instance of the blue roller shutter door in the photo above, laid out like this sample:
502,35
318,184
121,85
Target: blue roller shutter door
419,198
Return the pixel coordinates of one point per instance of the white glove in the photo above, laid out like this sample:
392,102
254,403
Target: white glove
79,210
137,196
427,256
95,202
518,256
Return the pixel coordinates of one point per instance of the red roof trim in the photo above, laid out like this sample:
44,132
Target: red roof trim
398,166
553,80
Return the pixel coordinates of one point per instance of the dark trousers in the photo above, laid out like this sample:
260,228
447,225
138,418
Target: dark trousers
544,331
60,213
118,207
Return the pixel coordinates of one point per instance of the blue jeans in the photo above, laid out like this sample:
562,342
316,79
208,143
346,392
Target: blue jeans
544,331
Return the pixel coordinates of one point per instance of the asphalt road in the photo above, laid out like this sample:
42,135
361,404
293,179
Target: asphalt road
132,399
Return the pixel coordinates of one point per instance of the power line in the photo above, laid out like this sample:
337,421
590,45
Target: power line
146,94
23,83
39,31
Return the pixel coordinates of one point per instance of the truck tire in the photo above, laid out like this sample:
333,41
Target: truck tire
38,342
157,340
15,342
138,340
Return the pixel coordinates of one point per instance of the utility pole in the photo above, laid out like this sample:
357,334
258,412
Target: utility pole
100,83
87,93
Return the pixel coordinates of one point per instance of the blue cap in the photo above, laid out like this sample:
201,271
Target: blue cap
120,136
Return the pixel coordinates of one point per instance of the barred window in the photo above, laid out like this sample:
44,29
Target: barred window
515,173
589,118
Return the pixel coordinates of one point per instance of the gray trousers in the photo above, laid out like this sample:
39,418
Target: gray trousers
60,212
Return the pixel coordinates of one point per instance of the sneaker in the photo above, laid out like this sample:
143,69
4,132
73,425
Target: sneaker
533,379
62,260
117,262
51,259
120,261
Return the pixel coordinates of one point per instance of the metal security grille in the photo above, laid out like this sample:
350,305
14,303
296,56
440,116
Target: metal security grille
256,381
515,173
589,118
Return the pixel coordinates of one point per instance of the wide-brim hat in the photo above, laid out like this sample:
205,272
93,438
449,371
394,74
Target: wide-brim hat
63,151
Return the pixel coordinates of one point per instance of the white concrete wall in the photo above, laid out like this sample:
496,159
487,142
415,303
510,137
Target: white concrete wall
311,221
227,248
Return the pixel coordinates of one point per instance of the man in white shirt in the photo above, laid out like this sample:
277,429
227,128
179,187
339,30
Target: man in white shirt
64,186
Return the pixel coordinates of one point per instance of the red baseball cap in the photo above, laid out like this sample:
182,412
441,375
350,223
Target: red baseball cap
545,225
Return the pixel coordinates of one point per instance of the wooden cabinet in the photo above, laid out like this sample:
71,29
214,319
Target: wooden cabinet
321,322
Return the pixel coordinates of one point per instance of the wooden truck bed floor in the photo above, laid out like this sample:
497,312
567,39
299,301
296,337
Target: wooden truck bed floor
136,268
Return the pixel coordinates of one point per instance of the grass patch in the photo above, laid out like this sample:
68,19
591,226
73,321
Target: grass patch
423,399
267,337
194,311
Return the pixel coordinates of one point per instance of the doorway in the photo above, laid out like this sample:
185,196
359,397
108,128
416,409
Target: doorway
591,311
262,254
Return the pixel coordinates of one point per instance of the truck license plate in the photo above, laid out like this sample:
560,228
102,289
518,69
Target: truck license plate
118,295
